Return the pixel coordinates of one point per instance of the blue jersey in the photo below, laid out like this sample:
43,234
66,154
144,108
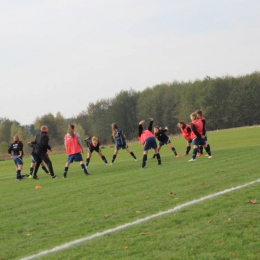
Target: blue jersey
120,139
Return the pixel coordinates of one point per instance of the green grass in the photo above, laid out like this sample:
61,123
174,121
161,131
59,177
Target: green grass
225,227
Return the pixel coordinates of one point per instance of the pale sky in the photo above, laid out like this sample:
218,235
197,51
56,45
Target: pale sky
60,55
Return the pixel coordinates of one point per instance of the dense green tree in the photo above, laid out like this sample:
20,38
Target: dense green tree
5,126
56,125
225,101
123,111
3,150
100,120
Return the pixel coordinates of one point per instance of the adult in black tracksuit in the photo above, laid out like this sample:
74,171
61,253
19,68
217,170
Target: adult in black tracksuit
40,150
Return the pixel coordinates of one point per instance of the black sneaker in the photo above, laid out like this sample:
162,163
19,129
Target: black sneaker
54,176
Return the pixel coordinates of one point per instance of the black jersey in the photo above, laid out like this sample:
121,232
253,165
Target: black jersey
91,147
161,136
15,148
41,143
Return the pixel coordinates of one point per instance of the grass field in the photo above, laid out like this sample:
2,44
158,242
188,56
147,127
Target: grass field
225,227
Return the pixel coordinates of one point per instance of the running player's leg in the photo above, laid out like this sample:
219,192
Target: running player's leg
173,149
114,155
88,158
102,157
207,148
158,149
79,158
46,159
188,147
37,165
132,154
44,168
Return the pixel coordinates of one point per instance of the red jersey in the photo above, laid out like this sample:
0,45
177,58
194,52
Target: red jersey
72,144
198,126
185,133
144,135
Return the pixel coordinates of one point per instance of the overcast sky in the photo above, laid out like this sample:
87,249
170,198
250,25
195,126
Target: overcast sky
60,55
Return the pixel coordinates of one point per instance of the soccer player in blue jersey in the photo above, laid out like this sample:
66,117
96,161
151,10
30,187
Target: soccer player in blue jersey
120,139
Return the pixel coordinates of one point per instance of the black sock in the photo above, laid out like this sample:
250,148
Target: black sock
194,153
144,160
31,170
104,159
208,150
188,150
201,149
18,174
133,155
158,158
84,168
114,157
65,171
87,161
45,169
173,149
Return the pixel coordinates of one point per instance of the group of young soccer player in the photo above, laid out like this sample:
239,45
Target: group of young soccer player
194,133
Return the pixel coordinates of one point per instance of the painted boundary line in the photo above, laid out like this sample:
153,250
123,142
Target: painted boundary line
112,230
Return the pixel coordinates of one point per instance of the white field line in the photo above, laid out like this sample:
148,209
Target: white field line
112,230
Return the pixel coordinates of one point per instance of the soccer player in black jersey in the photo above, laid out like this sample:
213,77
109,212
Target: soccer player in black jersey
16,152
94,145
163,139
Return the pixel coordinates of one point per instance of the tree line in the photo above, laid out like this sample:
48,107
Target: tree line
226,102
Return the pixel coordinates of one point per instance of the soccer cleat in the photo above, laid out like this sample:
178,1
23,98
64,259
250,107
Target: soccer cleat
177,156
106,164
206,154
47,173
185,154
87,174
35,178
199,154
210,156
18,179
135,160
64,177
192,160
111,164
30,176
54,177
